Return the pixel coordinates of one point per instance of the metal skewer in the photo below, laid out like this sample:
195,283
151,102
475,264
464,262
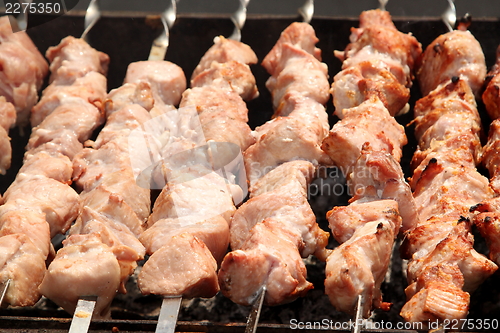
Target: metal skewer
160,44
92,15
83,314
359,314
239,17
86,304
3,290
382,3
169,311
449,16
306,12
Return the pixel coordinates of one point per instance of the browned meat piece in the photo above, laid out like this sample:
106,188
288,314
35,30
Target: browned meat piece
345,220
491,94
369,122
358,267
373,77
454,54
442,190
269,233
231,75
22,262
166,79
445,258
377,37
225,50
444,267
84,258
491,156
23,69
74,58
487,220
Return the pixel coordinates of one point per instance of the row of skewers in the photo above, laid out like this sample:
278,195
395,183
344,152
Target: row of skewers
269,232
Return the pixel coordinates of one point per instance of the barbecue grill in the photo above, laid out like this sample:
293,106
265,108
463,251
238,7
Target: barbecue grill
126,37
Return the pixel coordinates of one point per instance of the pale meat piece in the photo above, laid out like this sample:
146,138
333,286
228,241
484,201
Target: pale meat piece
33,224
166,79
278,198
111,232
195,206
61,141
454,54
123,183
129,93
84,266
299,72
491,94
5,151
356,84
90,88
7,120
24,265
491,155
228,129
269,233
112,205
7,114
74,58
213,232
78,117
296,136
222,113
182,198
212,103
120,124
358,267
190,270
50,165
378,37
231,75
298,34
58,201
271,259
23,69
377,176
225,50
368,122
91,166
345,220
